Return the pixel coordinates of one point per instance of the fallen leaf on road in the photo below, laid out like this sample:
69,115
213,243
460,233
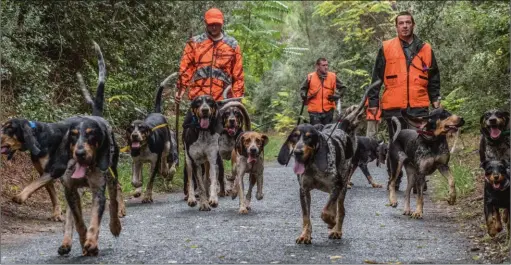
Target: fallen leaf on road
476,257
335,257
370,261
194,246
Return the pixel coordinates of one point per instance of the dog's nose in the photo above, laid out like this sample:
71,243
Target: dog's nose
462,121
492,121
205,111
80,153
253,150
298,152
232,121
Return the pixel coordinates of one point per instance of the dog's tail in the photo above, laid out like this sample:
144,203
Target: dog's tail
97,102
248,123
398,127
359,109
97,108
157,104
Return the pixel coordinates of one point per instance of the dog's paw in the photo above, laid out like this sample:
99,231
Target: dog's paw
393,204
416,215
259,196
222,194
64,249
18,199
204,207
407,212
90,248
451,200
335,234
147,199
115,226
137,194
56,217
192,202
122,211
243,210
304,239
349,186
213,202
376,185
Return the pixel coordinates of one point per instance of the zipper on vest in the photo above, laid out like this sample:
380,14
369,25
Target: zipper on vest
211,70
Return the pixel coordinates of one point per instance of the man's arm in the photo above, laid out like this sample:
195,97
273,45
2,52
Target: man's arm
186,68
434,81
378,73
304,88
238,77
340,87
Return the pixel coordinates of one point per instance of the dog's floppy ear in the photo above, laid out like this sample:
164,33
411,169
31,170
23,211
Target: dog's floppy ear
29,140
285,152
103,152
321,157
506,116
265,139
240,148
59,161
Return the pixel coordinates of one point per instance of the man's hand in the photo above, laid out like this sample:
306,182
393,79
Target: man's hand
436,104
179,95
373,110
303,96
333,97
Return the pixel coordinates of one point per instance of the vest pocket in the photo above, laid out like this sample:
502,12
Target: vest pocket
391,80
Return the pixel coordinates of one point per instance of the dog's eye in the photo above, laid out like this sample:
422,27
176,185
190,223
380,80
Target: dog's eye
487,115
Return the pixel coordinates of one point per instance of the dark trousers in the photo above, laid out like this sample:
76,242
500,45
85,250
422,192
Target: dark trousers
321,117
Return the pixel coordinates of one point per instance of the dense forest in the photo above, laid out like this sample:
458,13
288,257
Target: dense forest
45,44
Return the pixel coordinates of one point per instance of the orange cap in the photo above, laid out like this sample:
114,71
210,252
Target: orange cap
214,15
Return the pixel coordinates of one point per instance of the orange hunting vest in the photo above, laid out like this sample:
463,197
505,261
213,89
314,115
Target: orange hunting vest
405,85
369,115
319,92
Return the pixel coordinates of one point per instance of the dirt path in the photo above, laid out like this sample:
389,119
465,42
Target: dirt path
168,231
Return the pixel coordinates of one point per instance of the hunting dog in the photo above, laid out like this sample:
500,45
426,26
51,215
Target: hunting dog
201,147
41,140
494,143
234,117
496,195
322,156
368,149
89,155
421,152
248,157
152,141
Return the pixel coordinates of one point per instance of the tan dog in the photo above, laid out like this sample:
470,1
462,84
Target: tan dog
248,157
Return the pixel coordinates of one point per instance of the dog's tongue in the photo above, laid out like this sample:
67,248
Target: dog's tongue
494,133
251,159
299,168
4,150
204,123
79,171
496,185
135,145
231,131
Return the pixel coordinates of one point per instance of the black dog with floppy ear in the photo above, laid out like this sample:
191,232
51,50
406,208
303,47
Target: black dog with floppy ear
30,142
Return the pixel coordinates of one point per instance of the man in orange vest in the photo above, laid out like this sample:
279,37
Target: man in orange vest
410,74
211,61
321,90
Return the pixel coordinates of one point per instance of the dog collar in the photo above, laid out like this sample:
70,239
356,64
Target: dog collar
32,124
163,125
